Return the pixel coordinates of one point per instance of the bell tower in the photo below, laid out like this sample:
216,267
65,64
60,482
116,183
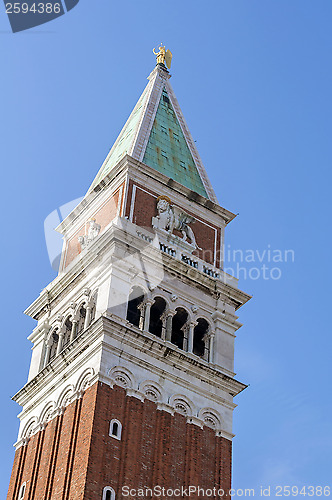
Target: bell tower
131,383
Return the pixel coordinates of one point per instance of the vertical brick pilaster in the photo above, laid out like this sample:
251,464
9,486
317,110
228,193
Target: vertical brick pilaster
53,458
72,449
16,476
39,447
74,457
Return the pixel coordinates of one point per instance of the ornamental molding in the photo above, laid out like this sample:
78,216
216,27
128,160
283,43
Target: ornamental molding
123,377
157,348
117,231
177,403
112,334
165,407
53,409
182,404
152,390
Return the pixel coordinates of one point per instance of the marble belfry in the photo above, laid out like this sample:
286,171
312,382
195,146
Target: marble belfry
131,383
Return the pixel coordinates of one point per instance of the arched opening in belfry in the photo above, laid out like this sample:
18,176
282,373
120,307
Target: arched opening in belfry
156,322
54,340
178,326
200,340
134,311
81,318
67,333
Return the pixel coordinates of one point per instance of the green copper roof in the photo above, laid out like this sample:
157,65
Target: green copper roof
167,150
153,135
124,141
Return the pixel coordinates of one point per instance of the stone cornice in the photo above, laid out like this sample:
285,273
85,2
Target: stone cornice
193,419
101,245
92,340
78,350
137,169
148,343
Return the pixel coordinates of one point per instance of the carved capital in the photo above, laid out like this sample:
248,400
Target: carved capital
59,318
210,334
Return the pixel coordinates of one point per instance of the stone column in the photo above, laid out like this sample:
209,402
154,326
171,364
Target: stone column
87,316
141,308
60,342
211,353
185,329
190,345
73,330
45,330
46,354
148,304
74,321
168,325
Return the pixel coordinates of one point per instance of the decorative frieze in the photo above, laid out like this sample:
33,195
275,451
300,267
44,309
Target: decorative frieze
92,233
171,218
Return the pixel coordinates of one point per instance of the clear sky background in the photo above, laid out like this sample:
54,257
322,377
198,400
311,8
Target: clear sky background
253,78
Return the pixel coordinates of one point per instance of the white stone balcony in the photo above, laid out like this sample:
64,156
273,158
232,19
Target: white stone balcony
177,248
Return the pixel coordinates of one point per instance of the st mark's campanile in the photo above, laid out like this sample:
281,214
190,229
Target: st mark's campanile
131,382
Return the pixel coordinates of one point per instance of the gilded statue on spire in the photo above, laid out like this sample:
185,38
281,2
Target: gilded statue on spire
163,56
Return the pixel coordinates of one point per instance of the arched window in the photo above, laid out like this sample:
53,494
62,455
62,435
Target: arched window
28,430
157,309
67,334
54,339
136,298
200,340
115,429
81,319
21,493
178,327
108,493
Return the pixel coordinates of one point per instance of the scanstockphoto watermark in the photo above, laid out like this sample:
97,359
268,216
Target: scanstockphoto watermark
183,492
264,491
257,264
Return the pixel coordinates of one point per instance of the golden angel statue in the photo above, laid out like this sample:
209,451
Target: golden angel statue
163,56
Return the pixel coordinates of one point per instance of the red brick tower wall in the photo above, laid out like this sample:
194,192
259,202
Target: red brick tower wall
74,457
54,462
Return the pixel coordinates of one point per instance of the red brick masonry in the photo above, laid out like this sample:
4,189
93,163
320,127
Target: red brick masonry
103,216
75,458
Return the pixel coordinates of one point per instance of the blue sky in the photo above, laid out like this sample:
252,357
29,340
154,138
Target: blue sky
253,79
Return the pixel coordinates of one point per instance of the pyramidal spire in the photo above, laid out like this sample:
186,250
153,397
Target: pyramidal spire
156,134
